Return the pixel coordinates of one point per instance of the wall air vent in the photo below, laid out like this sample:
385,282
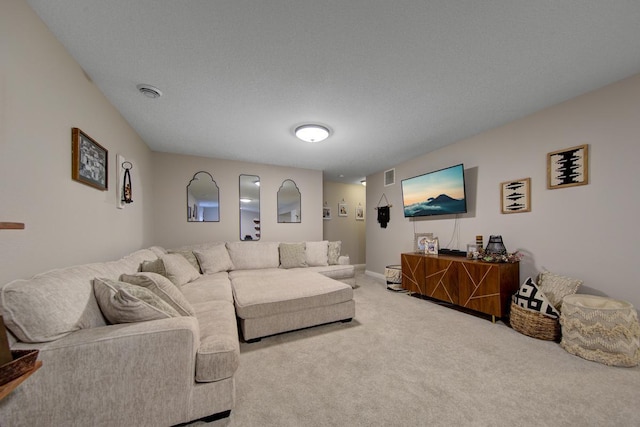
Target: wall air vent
389,177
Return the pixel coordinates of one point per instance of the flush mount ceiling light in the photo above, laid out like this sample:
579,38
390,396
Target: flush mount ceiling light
149,91
312,133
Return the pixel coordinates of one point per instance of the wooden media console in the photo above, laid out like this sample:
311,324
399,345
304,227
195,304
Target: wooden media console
484,287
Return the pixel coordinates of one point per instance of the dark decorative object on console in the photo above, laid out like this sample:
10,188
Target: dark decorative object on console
495,246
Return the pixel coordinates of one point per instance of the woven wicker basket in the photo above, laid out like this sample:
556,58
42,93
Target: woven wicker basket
23,362
534,324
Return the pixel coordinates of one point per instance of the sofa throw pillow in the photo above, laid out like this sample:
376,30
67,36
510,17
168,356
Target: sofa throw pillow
530,297
556,287
179,270
317,253
190,256
334,252
292,255
214,259
162,287
254,255
158,250
126,303
155,266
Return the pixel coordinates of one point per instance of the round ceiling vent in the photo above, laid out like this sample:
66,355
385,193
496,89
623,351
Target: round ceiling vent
149,91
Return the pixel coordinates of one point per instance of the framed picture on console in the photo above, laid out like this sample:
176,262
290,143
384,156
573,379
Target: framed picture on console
89,161
420,241
432,246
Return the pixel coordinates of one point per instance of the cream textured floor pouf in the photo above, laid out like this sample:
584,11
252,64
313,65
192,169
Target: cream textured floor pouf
601,329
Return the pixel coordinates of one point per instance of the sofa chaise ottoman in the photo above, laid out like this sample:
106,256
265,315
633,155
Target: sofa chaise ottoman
279,287
270,301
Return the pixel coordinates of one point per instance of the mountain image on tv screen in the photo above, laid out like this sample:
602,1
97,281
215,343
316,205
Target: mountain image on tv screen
440,192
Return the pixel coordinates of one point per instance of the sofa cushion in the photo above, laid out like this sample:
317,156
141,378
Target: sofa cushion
285,291
218,355
214,259
292,255
179,270
209,287
254,255
122,302
317,253
56,303
337,272
162,287
158,250
334,252
189,256
154,266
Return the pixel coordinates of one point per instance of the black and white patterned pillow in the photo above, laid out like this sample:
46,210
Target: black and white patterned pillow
529,296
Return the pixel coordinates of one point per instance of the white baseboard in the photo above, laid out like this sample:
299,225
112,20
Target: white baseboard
376,276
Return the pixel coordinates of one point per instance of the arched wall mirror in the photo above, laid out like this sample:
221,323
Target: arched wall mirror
203,199
289,202
249,207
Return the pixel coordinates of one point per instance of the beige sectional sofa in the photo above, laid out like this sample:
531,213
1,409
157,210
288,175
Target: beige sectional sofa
122,344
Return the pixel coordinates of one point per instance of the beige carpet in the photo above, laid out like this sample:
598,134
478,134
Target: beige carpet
408,362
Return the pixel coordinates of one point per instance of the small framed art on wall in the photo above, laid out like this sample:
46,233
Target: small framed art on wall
515,196
89,161
568,167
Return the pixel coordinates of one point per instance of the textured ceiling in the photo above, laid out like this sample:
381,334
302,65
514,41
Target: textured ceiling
393,80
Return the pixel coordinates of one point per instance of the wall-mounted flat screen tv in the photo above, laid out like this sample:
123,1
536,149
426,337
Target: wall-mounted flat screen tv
440,192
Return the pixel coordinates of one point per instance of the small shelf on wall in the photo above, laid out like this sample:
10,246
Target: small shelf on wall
11,225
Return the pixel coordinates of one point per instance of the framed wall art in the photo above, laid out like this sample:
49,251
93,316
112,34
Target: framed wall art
568,167
515,196
342,209
89,161
359,213
326,212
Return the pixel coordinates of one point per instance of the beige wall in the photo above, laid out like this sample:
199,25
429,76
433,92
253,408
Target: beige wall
590,232
43,94
346,229
173,172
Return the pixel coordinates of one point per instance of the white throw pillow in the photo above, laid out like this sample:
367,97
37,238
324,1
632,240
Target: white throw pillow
162,287
254,255
292,255
189,256
334,252
179,270
126,303
214,259
556,287
317,253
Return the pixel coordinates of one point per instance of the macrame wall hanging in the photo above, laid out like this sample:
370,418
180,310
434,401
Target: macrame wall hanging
384,212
